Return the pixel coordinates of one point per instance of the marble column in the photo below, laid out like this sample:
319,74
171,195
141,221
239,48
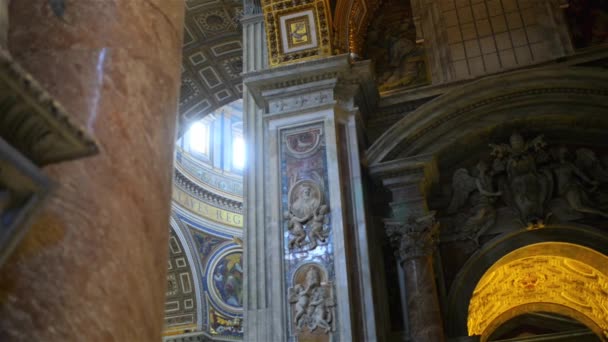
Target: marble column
413,233
93,265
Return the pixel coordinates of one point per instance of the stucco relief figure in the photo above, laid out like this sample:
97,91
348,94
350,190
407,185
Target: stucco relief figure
317,233
588,161
480,191
527,188
321,314
574,185
306,215
391,43
312,302
529,182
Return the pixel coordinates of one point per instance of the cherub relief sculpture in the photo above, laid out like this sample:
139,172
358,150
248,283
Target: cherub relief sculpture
313,302
481,191
306,215
571,183
322,315
530,179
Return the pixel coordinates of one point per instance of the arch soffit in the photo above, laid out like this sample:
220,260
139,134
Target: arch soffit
479,264
545,276
533,96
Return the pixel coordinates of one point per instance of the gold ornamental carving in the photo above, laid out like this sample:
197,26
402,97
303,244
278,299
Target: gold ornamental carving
553,283
297,31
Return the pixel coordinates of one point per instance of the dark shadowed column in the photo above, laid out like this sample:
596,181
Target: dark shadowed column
413,233
92,267
415,242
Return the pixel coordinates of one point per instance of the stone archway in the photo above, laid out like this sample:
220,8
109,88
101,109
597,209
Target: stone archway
556,277
591,243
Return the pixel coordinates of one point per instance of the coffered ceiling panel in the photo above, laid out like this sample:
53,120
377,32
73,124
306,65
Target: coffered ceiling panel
212,57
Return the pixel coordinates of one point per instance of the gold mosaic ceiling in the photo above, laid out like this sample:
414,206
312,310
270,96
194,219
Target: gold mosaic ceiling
212,57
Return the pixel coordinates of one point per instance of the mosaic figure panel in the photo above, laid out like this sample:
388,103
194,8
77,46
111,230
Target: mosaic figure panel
308,246
222,279
228,279
400,61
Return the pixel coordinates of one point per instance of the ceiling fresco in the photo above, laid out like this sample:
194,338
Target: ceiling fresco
212,57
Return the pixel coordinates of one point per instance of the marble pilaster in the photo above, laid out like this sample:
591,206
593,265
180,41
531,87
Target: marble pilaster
259,321
309,120
413,232
92,267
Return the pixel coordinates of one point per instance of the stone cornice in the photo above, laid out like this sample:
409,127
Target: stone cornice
309,84
479,99
205,195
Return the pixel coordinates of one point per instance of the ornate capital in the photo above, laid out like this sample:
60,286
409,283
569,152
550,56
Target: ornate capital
416,238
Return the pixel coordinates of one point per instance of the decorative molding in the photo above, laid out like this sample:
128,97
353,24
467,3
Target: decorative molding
205,195
332,80
517,87
297,31
416,238
34,123
539,280
300,102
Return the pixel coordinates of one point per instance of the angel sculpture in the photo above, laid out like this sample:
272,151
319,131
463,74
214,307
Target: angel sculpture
321,315
480,190
295,225
301,298
588,161
527,189
316,227
570,180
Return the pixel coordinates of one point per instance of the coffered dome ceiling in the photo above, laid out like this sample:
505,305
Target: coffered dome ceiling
212,57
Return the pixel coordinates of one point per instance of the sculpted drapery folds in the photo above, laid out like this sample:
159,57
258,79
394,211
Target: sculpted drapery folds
537,182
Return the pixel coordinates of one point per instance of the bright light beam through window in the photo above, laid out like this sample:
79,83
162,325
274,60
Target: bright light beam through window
238,153
199,137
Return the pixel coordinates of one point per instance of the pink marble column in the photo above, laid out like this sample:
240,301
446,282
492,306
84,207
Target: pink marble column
422,302
414,242
92,268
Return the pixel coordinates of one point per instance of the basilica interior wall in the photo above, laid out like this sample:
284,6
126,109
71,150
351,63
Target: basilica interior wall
465,142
